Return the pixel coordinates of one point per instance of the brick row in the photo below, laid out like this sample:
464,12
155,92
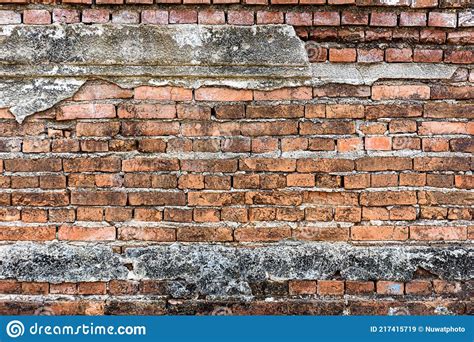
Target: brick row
433,18
300,288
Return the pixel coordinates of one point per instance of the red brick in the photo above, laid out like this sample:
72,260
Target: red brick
75,233
203,165
378,143
157,17
149,128
27,233
442,19
185,16
418,287
354,18
390,287
63,288
427,56
302,287
437,127
92,288
146,234
459,56
202,234
357,181
379,233
446,287
359,287
35,199
385,198
343,55
267,17
299,19
386,19
412,19
206,215
86,111
147,111
330,288
33,165
349,144
438,233
398,55
97,129
409,92
240,17
36,17
222,94
156,198
123,287
300,93
432,36
211,17
98,198
343,111
325,165
125,17
424,3
326,19
96,16
348,214
249,234
66,16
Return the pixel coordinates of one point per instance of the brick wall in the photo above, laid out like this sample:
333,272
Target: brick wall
380,168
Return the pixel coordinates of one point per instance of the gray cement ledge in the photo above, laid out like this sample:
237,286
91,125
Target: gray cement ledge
45,64
227,270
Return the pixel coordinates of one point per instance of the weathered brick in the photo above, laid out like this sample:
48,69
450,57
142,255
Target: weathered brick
389,287
76,233
434,233
97,129
201,234
99,164
98,198
146,234
330,288
40,199
36,17
408,92
85,111
222,94
384,198
156,198
26,233
302,287
261,234
33,165
379,233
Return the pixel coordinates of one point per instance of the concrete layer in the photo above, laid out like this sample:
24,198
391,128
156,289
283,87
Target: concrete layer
174,45
42,65
226,271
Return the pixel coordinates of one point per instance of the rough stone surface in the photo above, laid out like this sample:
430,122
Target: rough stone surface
225,271
59,262
27,96
174,45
